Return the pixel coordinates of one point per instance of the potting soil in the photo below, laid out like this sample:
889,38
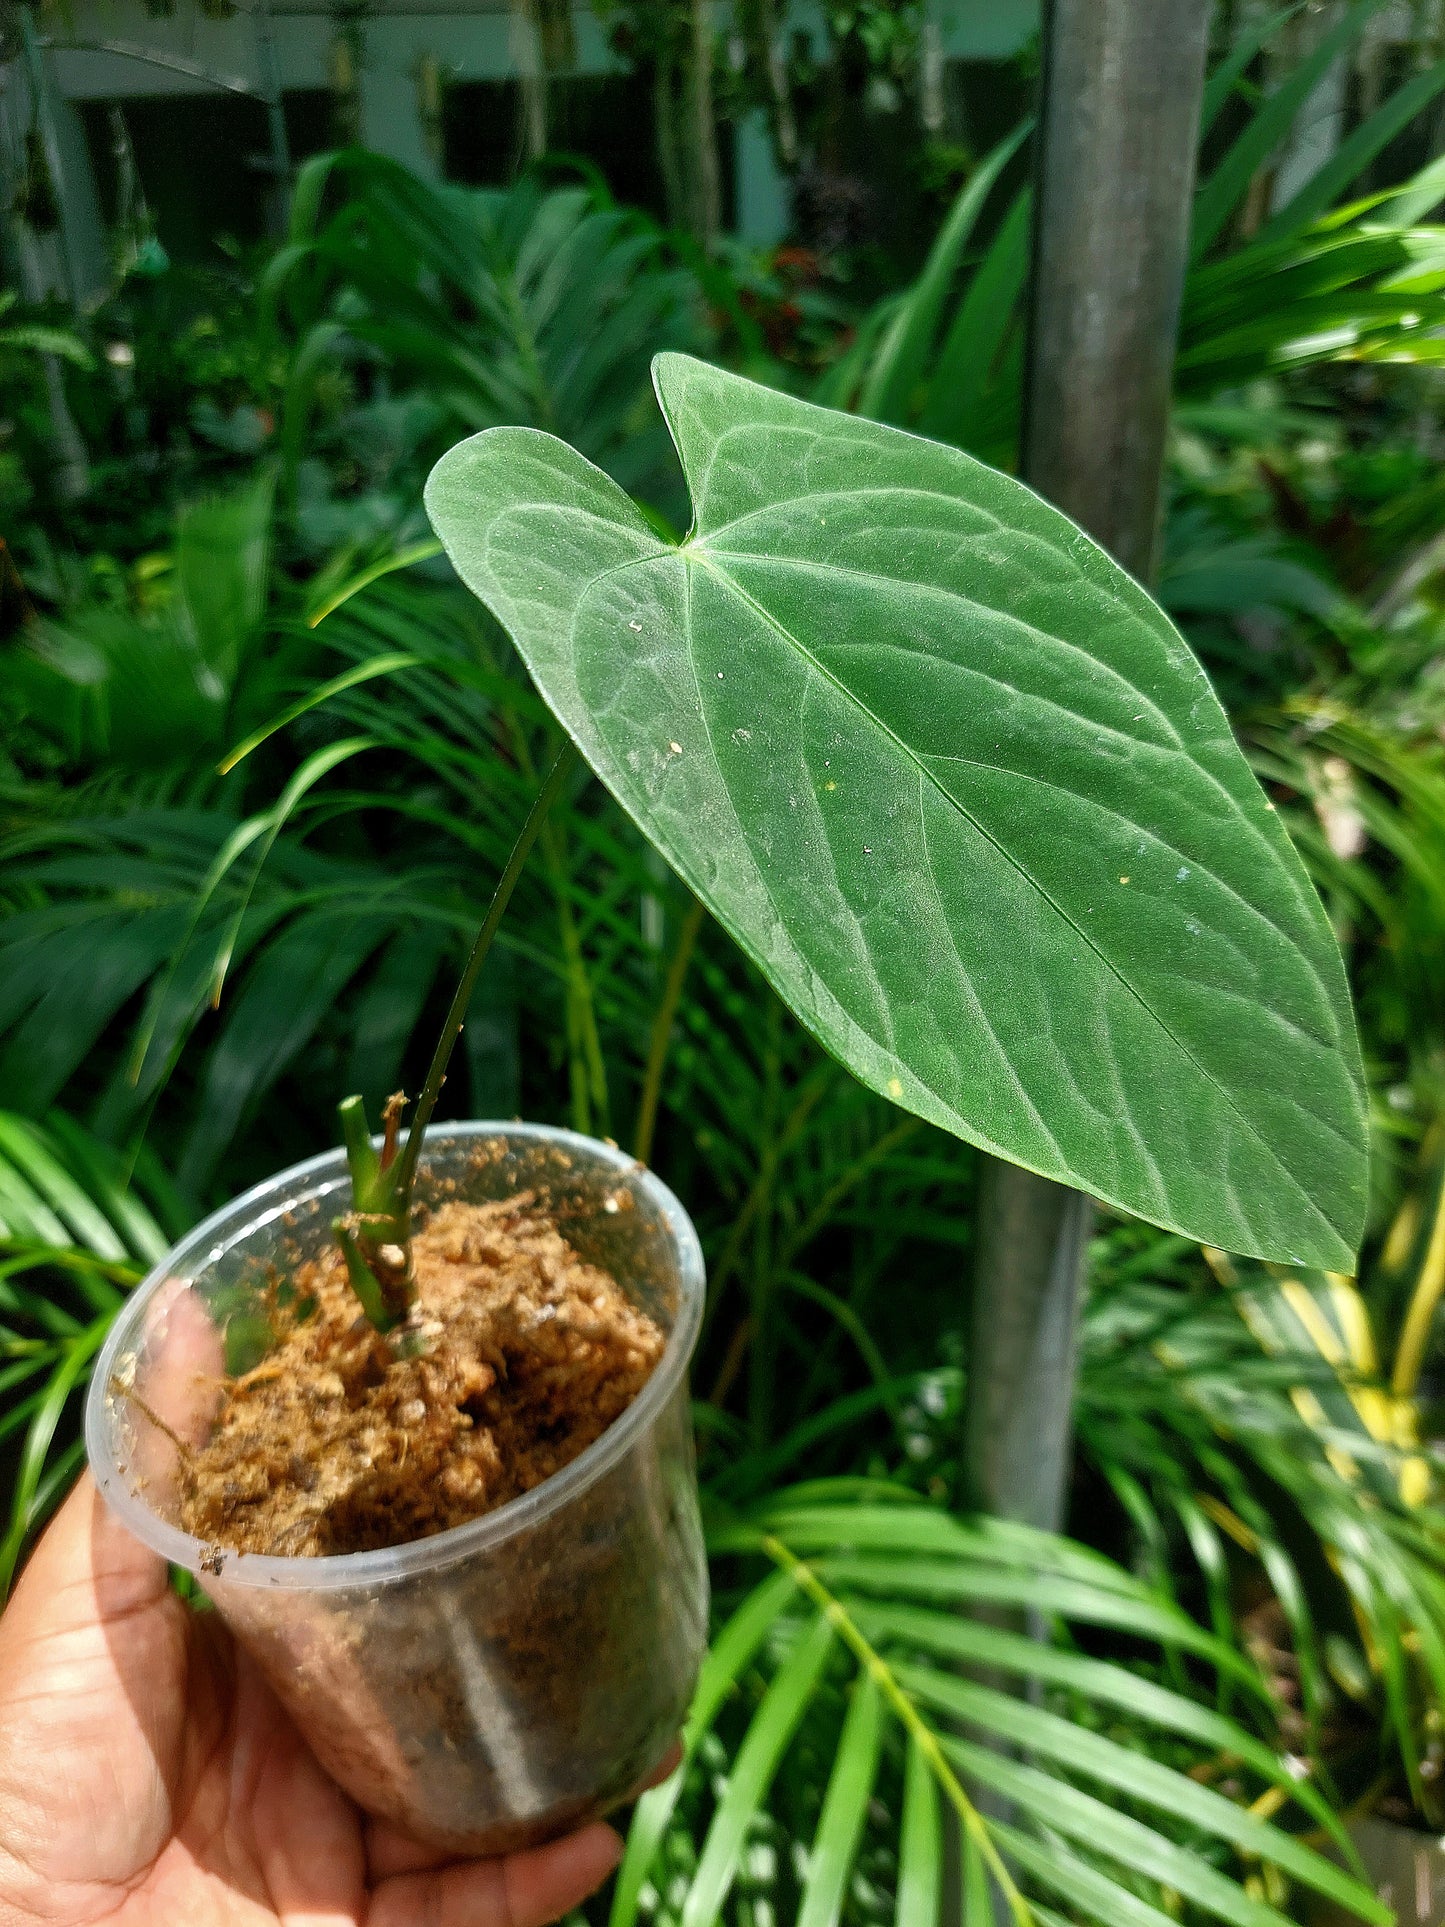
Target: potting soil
334,1444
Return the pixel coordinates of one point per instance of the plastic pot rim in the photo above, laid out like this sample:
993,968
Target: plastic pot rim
332,1571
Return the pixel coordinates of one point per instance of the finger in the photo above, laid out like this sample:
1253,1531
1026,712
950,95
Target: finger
86,1570
390,1851
177,1391
94,1720
523,1890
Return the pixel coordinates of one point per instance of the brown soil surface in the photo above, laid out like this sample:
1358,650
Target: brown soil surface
332,1444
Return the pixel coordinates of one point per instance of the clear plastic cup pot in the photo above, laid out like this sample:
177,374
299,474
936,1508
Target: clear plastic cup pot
497,1684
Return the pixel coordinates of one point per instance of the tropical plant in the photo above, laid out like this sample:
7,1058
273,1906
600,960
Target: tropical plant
76,1230
18,338
178,900
863,1654
526,305
1249,1428
626,636
873,1661
150,683
1250,1433
1324,280
538,301
215,955
1358,763
863,827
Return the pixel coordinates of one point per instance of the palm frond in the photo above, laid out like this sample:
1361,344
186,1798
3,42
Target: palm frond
1321,282
864,1653
76,1230
141,689
1252,1426
523,305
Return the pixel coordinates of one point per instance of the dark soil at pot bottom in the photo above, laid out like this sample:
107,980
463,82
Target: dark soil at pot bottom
333,1444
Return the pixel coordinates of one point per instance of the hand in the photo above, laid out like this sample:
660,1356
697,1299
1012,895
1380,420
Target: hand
148,1775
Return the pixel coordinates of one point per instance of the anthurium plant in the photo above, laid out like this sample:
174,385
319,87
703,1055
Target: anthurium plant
957,785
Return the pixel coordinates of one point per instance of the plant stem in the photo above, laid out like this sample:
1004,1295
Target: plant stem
586,1072
452,1028
662,1031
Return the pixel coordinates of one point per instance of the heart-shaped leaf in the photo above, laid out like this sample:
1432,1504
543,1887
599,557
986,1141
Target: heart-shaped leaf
957,785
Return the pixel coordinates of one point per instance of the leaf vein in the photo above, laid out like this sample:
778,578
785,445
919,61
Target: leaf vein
910,755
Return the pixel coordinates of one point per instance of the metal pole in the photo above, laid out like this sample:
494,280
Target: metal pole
1120,113
1123,81
1031,1241
707,193
1119,121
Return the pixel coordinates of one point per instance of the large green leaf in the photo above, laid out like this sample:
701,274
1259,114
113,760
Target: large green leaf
957,785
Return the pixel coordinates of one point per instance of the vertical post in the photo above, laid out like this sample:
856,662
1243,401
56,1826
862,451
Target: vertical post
278,157
33,271
707,194
1122,83
1119,122
1031,1241
531,70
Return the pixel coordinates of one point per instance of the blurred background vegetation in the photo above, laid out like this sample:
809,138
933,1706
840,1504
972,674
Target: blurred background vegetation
262,265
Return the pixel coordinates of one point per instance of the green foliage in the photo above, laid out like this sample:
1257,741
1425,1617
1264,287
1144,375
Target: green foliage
898,364
1221,191
199,882
1247,1431
75,1231
243,856
147,689
945,356
19,338
878,835
1354,285
172,399
521,305
882,1655
376,1234
1363,761
1318,283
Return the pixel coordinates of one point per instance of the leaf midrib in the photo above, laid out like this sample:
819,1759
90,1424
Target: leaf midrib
1224,793
1044,635
699,555
676,552
1119,816
705,541
705,553
1226,796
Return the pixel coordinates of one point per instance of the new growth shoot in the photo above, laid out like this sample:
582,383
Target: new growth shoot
375,1234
